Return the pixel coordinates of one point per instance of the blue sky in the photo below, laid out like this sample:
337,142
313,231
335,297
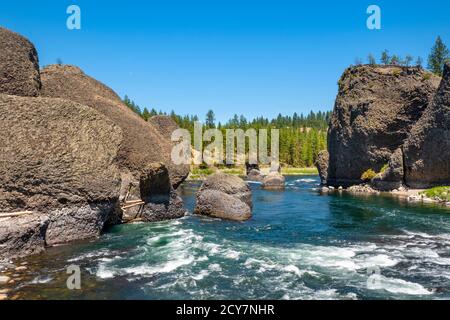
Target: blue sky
245,57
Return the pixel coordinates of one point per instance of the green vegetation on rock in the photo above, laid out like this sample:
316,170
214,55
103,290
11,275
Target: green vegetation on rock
438,193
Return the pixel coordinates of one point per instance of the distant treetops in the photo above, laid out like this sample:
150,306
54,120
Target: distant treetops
436,60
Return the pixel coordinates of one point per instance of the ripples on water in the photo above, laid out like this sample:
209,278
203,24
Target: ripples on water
299,245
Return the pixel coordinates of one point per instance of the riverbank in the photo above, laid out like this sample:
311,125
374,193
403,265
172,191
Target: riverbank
202,173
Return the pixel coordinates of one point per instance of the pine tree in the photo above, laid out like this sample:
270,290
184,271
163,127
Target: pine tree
146,114
438,56
371,59
210,119
408,60
385,59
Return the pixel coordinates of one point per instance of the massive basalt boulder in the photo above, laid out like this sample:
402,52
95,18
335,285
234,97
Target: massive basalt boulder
226,197
19,65
322,165
57,157
375,110
143,143
427,150
273,181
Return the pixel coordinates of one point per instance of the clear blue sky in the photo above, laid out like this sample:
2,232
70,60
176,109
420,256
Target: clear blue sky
245,57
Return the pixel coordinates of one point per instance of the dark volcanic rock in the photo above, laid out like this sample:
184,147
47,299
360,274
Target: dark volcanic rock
322,165
22,236
143,143
427,150
375,109
226,197
57,158
392,177
19,65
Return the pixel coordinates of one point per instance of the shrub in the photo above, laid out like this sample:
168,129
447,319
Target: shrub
443,193
384,168
368,175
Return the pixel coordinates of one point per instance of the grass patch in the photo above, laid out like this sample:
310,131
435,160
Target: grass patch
443,193
202,171
299,171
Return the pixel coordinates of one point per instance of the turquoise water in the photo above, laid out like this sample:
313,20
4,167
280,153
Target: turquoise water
299,245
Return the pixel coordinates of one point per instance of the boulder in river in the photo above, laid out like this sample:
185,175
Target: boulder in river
226,197
274,181
255,175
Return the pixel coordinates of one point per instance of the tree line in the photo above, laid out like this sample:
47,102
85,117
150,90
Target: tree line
301,136
439,55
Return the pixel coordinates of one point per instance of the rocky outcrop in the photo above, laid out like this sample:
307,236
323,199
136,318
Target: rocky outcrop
322,165
375,110
23,236
19,65
273,181
427,150
226,197
69,157
57,157
143,143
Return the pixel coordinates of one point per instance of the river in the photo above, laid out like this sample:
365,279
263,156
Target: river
298,245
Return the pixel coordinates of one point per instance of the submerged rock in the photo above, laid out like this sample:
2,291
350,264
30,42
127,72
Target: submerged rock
427,150
226,197
273,181
375,109
19,65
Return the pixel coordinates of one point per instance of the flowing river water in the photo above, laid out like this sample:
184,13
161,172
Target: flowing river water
298,245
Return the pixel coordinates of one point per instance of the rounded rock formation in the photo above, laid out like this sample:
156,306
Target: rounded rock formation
19,65
274,181
143,143
226,197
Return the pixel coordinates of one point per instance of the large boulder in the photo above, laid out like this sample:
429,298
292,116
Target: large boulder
375,110
427,150
19,65
143,142
322,165
273,181
226,197
57,157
